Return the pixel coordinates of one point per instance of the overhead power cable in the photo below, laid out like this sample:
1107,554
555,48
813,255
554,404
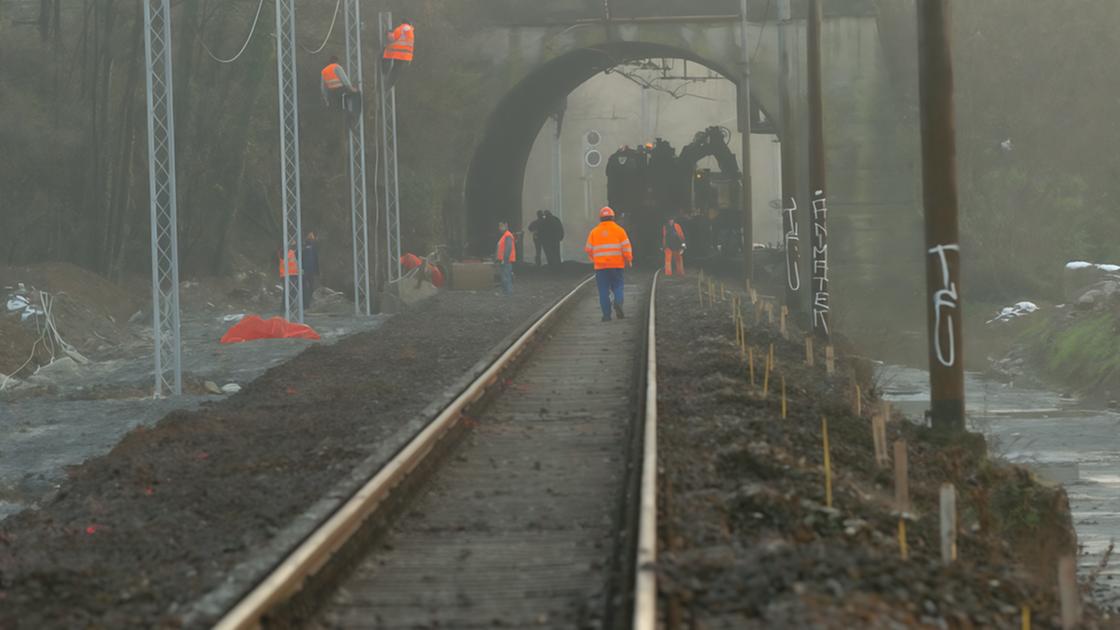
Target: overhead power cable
248,39
329,32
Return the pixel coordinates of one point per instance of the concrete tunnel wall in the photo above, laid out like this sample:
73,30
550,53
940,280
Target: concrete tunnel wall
871,138
559,61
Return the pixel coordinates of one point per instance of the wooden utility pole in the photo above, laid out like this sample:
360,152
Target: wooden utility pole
821,305
790,237
744,107
939,194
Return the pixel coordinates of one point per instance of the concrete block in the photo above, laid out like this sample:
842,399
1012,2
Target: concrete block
472,276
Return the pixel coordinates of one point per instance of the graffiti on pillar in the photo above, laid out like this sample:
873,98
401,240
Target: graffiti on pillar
793,245
945,304
821,306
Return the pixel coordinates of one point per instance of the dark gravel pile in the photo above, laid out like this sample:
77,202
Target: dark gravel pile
747,539
133,538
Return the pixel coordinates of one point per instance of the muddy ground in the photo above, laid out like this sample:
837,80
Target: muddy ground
748,540
132,538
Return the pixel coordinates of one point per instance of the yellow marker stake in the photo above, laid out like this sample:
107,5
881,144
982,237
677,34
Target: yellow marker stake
766,380
903,551
859,401
742,335
1026,614
827,464
783,397
771,355
750,362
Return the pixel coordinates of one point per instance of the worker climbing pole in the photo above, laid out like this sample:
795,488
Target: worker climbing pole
359,217
289,151
397,52
161,189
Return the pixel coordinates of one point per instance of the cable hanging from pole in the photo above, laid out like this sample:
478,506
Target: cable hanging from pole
252,29
329,32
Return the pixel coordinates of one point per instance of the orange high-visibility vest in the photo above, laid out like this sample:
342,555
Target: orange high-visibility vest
330,77
401,43
608,246
512,247
665,234
292,268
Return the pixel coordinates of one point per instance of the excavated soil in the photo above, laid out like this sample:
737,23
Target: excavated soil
747,539
132,538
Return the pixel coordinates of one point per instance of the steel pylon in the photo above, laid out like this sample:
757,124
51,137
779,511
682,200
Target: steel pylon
359,217
389,159
289,150
161,190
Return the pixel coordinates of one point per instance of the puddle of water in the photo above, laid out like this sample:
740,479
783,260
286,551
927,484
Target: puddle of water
1040,427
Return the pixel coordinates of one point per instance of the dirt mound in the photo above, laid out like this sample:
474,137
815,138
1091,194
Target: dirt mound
15,347
89,310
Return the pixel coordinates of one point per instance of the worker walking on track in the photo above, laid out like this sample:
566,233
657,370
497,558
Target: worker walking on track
610,251
672,241
507,255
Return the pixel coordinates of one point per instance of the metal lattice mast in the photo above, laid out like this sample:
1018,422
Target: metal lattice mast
359,217
161,189
389,159
289,148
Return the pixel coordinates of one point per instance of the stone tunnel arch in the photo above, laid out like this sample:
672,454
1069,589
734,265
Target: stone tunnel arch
496,174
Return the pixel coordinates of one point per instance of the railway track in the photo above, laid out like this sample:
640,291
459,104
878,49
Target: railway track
538,490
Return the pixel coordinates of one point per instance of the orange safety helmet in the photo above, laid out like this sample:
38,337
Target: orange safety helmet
606,212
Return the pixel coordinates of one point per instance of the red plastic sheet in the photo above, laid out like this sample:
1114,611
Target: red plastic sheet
253,327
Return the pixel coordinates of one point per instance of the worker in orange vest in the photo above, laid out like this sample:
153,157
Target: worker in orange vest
610,251
335,84
507,255
289,272
400,45
672,241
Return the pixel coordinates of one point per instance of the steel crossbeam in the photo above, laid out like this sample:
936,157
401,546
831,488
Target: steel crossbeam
389,160
289,150
359,217
161,190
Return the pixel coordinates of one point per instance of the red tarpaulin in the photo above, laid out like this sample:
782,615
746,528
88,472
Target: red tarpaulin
253,327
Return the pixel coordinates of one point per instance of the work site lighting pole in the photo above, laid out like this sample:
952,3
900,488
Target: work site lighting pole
389,159
359,216
161,191
744,107
790,237
289,151
939,194
817,179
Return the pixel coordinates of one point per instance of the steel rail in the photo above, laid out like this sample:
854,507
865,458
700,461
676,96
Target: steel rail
645,573
317,549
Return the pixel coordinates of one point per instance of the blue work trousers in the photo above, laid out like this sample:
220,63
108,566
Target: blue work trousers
507,277
609,281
